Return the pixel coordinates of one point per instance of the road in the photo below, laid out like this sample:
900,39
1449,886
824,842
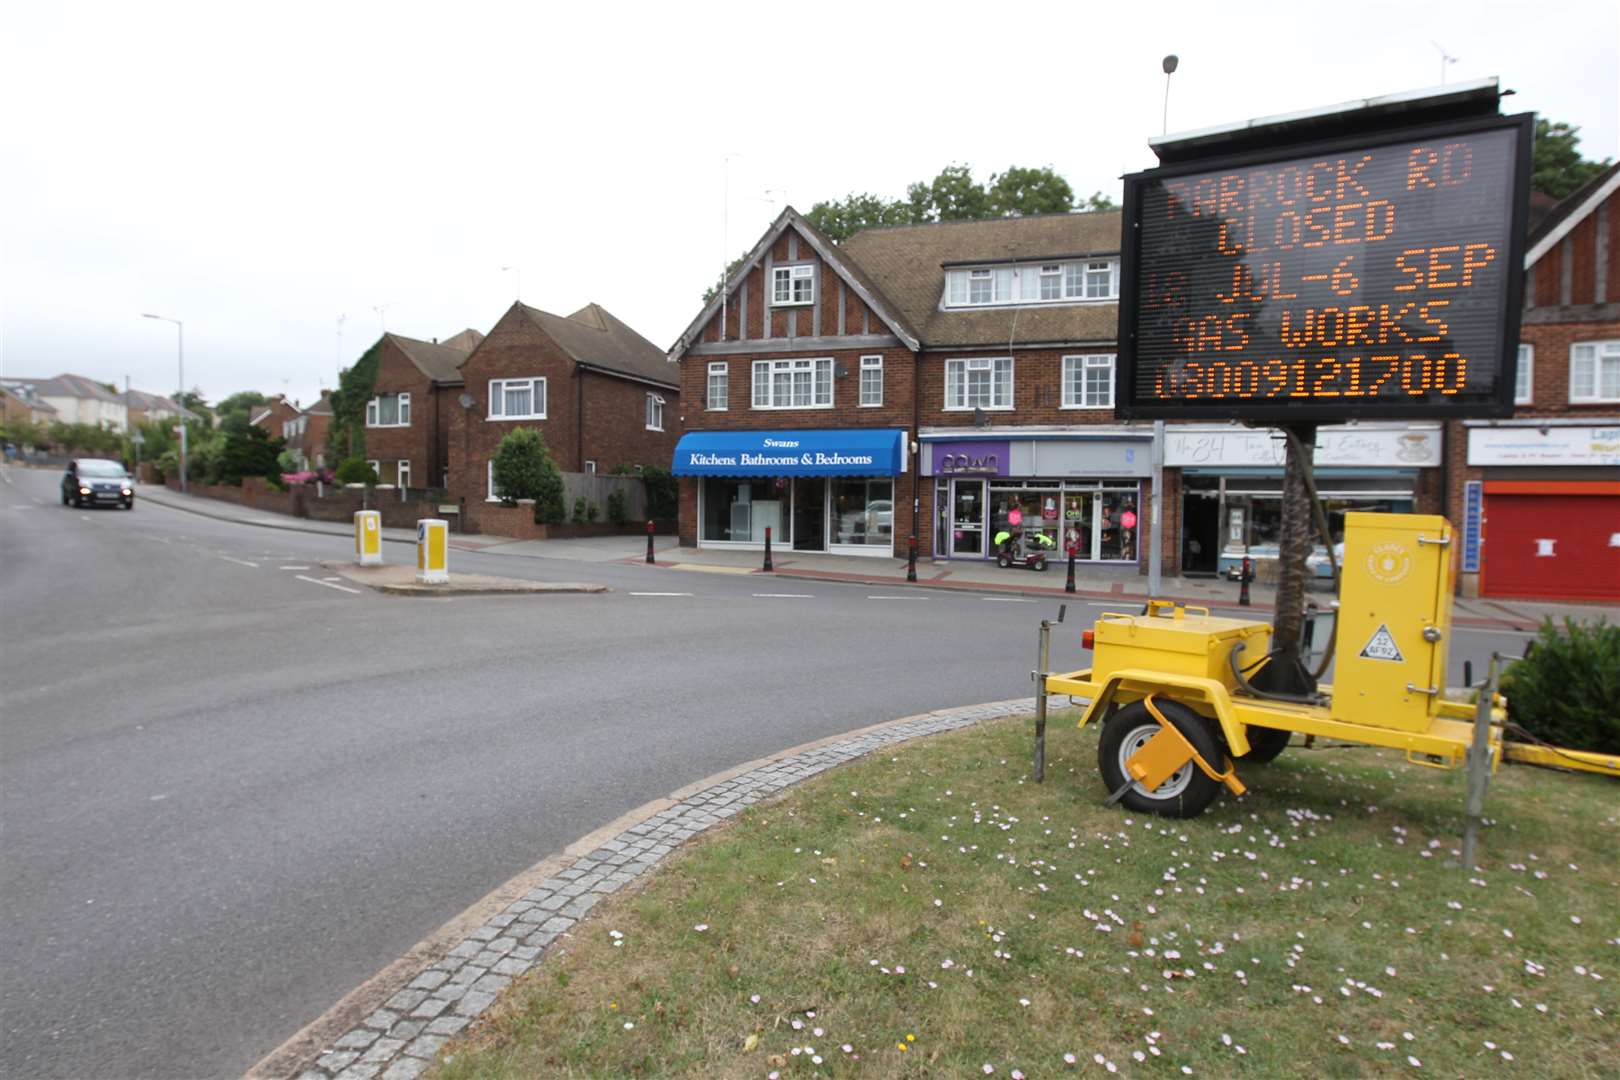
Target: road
230,792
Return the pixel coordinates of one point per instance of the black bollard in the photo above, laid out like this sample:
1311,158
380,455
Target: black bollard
1244,576
649,540
768,566
911,558
1068,586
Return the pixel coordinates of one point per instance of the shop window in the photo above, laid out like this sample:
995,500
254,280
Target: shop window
739,511
863,512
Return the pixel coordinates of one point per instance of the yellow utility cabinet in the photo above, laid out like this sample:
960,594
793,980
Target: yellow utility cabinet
432,551
1389,660
1180,643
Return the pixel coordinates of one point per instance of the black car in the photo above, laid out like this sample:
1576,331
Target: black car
89,481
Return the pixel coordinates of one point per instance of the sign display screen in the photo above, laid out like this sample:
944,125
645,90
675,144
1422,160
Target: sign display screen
1381,277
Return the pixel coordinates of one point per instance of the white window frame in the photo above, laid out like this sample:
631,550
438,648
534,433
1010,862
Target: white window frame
719,370
655,411
1598,350
497,398
489,482
1085,363
869,364
590,465
402,473
791,277
1070,281
767,372
1524,388
964,365
402,411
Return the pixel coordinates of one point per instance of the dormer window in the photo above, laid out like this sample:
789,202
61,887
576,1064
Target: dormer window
1069,282
793,285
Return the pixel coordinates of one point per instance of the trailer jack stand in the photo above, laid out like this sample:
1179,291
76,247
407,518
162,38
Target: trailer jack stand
1166,754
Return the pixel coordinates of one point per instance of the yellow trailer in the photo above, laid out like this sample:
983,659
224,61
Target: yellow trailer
1171,685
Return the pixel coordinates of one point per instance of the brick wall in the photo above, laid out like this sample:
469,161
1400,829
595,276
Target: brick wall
614,431
1551,343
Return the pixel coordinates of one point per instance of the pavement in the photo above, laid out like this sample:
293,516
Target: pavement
401,581
1092,582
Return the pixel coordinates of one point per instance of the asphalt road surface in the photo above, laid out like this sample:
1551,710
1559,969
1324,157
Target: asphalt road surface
231,790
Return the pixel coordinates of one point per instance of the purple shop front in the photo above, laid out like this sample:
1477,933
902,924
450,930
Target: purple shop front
971,458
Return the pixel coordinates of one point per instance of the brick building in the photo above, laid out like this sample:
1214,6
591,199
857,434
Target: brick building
273,414
979,355
407,421
600,393
305,434
1538,496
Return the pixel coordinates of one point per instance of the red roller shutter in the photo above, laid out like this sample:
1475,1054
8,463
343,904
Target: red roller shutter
1552,541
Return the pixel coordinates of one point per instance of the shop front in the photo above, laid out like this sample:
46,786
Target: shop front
1079,492
1231,487
1541,510
827,490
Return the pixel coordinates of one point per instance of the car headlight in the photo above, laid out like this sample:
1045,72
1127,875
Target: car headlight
84,491
128,492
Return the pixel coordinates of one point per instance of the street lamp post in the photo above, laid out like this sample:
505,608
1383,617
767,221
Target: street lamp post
180,328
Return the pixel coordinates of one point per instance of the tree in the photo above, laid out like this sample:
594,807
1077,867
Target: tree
1020,191
524,469
249,452
1098,201
1556,166
842,218
953,195
241,401
346,435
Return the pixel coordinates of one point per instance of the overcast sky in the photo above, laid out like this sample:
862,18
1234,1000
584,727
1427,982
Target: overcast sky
260,170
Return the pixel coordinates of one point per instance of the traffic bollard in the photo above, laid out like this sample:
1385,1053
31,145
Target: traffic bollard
911,559
1068,586
1244,575
649,540
368,538
432,551
768,566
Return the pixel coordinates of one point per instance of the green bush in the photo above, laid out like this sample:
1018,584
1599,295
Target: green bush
663,493
524,469
579,510
1567,691
592,511
617,507
355,471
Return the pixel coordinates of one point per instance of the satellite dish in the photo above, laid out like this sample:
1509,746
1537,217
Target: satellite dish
466,400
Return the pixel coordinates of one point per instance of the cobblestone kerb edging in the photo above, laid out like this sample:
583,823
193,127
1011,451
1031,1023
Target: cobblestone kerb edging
399,1040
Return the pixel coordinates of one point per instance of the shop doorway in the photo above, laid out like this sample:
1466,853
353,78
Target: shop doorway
967,517
809,514
1200,533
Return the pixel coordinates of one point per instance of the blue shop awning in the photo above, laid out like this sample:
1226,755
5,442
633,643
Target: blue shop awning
817,452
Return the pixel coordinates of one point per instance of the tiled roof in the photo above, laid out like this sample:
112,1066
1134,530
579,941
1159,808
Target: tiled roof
466,341
73,386
597,338
19,390
908,263
439,362
322,406
1550,220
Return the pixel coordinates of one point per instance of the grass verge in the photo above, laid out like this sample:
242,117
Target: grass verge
934,912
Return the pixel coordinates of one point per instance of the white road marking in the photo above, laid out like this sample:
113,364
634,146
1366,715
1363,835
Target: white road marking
292,568
897,597
327,584
84,517
786,595
331,579
660,594
240,562
1008,600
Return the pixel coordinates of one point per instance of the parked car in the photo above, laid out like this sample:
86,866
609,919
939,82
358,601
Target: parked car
92,481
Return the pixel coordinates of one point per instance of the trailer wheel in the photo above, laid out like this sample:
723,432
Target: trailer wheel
1266,744
1188,791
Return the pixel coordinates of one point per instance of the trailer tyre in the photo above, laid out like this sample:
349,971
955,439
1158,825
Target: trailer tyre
1188,792
1266,744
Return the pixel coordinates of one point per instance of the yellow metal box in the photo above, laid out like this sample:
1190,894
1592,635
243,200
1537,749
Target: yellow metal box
1389,661
1178,642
